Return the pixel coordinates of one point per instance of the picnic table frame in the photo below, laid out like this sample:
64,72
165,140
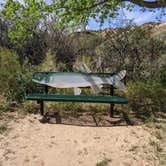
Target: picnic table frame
109,99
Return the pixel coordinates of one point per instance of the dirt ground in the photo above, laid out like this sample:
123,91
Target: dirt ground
28,142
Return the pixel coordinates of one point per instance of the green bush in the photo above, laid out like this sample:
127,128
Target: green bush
162,76
146,98
9,71
13,83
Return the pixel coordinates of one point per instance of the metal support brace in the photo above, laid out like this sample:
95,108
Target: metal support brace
42,108
46,89
111,111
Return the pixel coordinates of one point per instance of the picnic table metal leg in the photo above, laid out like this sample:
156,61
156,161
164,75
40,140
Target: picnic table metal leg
111,111
42,108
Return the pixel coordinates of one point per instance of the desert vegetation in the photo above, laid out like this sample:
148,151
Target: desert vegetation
34,37
139,50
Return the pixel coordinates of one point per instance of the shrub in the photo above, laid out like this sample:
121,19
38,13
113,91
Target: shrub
146,98
13,83
162,76
9,72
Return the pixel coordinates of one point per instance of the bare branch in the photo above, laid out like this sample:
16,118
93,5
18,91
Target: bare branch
147,4
142,3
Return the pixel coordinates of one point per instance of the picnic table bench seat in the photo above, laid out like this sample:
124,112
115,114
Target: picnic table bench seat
77,98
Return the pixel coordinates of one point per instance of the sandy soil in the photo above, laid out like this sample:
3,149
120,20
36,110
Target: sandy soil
32,143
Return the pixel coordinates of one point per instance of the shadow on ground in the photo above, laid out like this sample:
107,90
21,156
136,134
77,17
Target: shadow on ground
86,119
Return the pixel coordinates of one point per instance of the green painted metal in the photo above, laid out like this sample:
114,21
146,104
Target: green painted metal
77,98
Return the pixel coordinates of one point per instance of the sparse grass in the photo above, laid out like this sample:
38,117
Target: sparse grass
159,152
29,107
133,148
152,142
75,109
104,162
3,128
159,145
156,145
164,128
69,108
158,135
150,124
163,159
128,118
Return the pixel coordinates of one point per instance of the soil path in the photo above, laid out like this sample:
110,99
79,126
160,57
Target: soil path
31,143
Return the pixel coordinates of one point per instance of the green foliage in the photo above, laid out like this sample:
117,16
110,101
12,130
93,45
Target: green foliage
26,15
50,63
158,135
133,49
158,151
127,117
146,98
104,162
2,103
13,83
3,128
10,69
29,107
162,75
